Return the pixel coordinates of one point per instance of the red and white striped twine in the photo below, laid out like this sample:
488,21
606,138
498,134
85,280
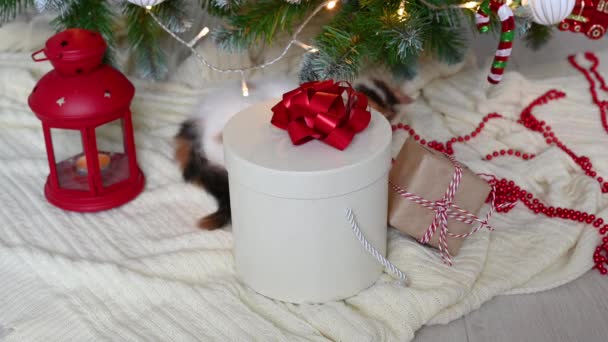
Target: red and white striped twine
445,208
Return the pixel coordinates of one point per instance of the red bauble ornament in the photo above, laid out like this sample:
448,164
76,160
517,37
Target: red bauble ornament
589,17
77,102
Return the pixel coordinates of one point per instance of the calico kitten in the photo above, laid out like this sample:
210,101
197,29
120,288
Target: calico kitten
198,144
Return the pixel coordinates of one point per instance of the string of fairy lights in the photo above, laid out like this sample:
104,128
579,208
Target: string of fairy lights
328,5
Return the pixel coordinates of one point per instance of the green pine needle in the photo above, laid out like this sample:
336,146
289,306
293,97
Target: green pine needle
231,39
211,7
227,4
94,15
537,36
338,57
174,15
142,33
261,21
445,43
404,40
9,9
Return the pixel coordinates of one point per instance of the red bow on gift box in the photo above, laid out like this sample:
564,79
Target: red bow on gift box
317,110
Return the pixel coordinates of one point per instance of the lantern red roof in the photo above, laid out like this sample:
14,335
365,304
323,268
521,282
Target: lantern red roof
95,97
80,89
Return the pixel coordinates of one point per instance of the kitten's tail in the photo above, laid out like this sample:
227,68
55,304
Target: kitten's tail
383,97
197,169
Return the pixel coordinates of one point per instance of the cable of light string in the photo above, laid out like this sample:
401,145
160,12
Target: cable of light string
243,70
294,39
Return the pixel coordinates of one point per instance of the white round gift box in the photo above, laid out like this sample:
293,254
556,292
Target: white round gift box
292,240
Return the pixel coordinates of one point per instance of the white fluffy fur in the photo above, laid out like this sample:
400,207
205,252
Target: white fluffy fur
218,105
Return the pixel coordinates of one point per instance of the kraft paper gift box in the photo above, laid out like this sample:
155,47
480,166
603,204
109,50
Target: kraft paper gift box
427,174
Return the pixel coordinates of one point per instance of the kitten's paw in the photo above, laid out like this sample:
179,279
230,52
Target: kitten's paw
214,221
182,152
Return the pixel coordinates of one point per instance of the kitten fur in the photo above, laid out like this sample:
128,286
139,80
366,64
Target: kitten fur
198,144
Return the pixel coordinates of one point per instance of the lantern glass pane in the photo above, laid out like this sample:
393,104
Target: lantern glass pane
70,160
111,147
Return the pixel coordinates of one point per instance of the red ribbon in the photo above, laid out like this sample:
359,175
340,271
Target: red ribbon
317,110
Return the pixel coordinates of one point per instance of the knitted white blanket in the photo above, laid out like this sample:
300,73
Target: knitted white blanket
143,272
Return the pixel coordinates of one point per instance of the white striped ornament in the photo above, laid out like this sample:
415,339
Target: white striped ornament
549,12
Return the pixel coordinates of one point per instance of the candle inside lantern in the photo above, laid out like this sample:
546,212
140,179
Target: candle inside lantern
81,162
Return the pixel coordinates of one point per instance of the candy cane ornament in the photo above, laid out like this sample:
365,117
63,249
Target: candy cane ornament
505,14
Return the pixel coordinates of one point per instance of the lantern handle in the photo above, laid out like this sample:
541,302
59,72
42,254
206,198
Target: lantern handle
45,58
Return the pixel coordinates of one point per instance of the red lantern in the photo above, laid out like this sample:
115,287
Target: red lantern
83,104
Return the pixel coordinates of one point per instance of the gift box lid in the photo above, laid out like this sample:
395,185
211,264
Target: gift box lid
262,157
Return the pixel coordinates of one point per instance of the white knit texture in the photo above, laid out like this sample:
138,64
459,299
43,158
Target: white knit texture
144,272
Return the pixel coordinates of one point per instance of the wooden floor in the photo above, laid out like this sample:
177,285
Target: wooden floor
575,312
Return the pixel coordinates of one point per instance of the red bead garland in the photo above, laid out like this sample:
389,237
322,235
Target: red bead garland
509,192
595,63
446,147
531,122
510,152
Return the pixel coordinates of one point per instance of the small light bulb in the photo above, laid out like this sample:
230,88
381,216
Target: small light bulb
244,87
401,10
148,7
305,46
198,37
470,4
331,4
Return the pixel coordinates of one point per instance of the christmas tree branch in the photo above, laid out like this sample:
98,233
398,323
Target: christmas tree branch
389,33
221,8
537,36
9,9
174,15
142,33
260,21
357,34
443,6
337,57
